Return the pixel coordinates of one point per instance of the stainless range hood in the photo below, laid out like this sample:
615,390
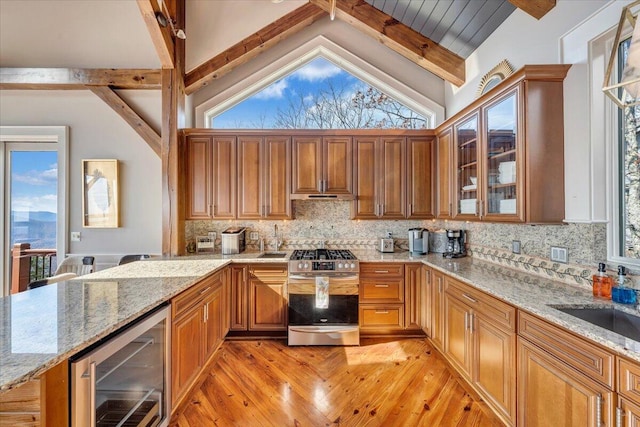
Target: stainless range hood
322,197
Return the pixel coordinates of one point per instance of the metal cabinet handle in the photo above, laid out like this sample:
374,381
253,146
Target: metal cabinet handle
381,286
466,320
205,290
599,410
381,271
473,300
382,311
471,320
440,284
320,185
450,207
619,415
210,210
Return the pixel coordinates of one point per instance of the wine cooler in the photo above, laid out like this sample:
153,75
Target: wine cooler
125,380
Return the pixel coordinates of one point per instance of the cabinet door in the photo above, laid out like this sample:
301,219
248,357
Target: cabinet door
437,308
268,308
226,301
629,413
551,393
213,322
337,165
277,173
502,169
494,369
413,276
467,180
307,165
426,301
392,178
365,205
224,177
186,353
199,176
420,168
444,180
239,298
457,339
250,177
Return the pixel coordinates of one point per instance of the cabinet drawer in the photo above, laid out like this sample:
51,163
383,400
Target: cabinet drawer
389,290
629,380
194,295
381,316
379,269
268,271
582,355
500,313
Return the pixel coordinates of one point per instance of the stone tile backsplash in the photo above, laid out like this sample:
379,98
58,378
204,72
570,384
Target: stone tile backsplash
329,222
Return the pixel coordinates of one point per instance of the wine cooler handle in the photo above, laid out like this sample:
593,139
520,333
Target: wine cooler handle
92,394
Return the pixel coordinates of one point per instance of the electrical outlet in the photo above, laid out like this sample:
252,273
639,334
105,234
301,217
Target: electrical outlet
515,246
559,254
75,236
254,235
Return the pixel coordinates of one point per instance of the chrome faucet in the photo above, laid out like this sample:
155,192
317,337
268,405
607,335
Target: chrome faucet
278,238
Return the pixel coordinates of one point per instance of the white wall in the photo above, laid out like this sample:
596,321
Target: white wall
561,36
96,131
347,37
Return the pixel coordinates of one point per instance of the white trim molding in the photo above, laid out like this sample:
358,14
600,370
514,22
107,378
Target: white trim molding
318,47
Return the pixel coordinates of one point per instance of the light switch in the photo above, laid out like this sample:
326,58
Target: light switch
75,236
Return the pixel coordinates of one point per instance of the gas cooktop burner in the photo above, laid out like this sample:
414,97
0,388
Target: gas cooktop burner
321,254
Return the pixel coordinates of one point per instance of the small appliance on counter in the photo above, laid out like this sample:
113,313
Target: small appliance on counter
456,240
438,241
233,240
385,244
418,241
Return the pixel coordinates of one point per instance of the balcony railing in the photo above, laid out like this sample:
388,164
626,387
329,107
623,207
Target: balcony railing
29,265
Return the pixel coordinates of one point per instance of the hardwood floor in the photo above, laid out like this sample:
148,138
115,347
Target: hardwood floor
400,382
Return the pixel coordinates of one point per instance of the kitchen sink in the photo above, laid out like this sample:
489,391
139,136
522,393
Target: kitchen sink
608,318
273,255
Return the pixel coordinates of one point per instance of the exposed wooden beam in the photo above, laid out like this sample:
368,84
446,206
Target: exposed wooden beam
129,115
77,78
400,38
252,46
535,8
161,36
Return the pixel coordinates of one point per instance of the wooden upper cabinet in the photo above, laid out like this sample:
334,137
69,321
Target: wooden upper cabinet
224,177
321,165
277,177
420,177
511,144
443,174
250,177
380,177
199,193
211,177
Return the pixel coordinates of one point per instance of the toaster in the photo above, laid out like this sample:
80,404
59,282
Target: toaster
233,240
385,244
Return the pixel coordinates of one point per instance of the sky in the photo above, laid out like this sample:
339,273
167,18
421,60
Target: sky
34,177
304,80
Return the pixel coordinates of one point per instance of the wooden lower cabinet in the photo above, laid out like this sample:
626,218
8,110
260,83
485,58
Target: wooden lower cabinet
437,305
551,393
196,332
426,304
628,412
413,277
259,297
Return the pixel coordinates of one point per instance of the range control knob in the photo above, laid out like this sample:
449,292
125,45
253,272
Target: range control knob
299,266
340,265
353,265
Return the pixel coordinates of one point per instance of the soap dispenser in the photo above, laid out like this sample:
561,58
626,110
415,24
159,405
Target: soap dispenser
621,292
602,283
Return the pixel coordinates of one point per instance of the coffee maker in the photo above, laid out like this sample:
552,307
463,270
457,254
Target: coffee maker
456,240
418,241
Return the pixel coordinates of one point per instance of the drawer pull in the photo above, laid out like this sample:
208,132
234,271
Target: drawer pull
205,290
381,271
382,311
381,286
599,410
473,300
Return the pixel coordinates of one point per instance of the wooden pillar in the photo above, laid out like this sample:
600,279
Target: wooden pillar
20,267
173,101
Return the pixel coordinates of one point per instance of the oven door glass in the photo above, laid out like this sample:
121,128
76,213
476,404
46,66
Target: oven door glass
342,309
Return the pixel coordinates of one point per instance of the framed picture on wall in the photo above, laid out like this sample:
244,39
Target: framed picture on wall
100,207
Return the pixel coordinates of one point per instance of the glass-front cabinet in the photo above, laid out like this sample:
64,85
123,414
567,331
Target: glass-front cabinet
467,154
501,165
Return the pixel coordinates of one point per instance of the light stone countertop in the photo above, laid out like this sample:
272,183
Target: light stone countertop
44,326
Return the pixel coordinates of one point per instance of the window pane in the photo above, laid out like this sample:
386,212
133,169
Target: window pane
629,183
34,198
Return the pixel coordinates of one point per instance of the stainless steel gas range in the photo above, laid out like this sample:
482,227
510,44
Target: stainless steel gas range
323,297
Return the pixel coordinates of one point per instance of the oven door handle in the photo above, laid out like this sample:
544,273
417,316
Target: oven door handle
320,331
347,276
